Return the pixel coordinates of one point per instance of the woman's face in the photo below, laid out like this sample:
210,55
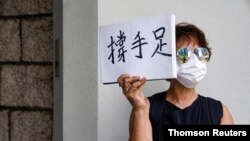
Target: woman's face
183,42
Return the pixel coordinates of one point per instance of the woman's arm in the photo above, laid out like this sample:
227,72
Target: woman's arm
140,125
227,117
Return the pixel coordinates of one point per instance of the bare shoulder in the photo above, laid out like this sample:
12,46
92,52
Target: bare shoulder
227,118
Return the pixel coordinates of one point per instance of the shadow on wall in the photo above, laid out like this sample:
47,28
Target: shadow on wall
248,2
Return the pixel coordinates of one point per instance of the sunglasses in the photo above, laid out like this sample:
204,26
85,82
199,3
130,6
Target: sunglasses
184,54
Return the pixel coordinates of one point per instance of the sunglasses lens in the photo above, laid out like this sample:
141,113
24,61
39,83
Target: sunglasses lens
183,55
202,54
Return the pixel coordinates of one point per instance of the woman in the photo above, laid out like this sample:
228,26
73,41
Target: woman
180,104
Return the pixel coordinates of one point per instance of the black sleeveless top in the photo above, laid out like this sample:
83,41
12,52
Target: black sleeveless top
203,111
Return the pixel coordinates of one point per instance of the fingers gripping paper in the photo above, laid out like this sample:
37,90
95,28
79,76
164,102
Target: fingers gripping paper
144,47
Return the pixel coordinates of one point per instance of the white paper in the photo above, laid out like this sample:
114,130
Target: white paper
120,45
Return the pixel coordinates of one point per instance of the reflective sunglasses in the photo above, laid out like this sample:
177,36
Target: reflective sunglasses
184,54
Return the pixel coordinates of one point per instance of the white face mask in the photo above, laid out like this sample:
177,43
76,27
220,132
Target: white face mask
189,74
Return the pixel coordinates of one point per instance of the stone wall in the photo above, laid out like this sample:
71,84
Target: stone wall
26,55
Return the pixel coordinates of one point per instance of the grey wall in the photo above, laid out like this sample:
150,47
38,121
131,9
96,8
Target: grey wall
227,26
26,56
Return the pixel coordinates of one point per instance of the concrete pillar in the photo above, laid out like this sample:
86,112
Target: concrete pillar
76,87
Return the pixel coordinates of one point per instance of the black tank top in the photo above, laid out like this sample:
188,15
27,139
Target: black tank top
203,111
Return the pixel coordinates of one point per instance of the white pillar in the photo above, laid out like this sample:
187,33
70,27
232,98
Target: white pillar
76,88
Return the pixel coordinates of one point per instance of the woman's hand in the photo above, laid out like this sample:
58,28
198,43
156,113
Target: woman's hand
132,87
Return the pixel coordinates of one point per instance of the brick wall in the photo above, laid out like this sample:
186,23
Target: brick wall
26,56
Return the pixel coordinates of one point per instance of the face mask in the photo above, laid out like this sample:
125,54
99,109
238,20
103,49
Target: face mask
189,74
